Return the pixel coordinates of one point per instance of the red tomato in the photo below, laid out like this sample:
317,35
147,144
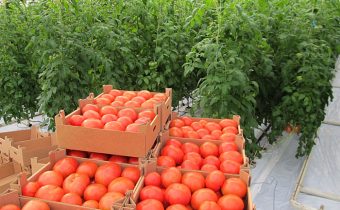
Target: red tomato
108,110
177,123
230,130
232,155
170,176
211,126
148,104
177,207
142,120
107,172
51,178
108,96
230,202
128,112
190,147
216,134
121,185
10,207
160,96
227,146
203,122
91,204
99,156
117,104
76,183
213,160
201,195
108,118
193,180
208,148
76,153
118,159
234,186
186,129
202,132
94,192
134,128
177,194
125,121
209,168
208,137
30,189
152,192
215,180
133,160
88,107
50,192
145,94
132,104
92,123
153,179
195,157
149,204
209,205
72,198
174,152
176,132
139,100
230,167
130,94
132,173
102,101
190,165
147,113
228,137
196,126
107,201
166,161
76,120
191,135
114,125
187,121
122,99
89,168
34,204
91,115
116,93
228,123
174,142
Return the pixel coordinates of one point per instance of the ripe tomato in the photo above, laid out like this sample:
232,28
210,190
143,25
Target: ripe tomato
108,96
118,159
134,128
76,183
99,156
202,132
203,122
102,101
132,173
133,160
196,126
88,107
209,168
122,99
114,125
187,120
130,94
92,123
160,96
94,192
232,155
152,192
148,104
30,189
108,110
209,205
108,118
213,160
166,161
228,123
150,204
125,121
208,148
216,134
132,104
190,165
107,201
153,179
193,180
208,137
76,120
72,198
201,195
76,153
116,93
147,113
215,180
177,194
91,115
227,147
211,126
51,178
176,132
177,123
174,142
121,185
191,135
174,152
117,104
145,94
170,176
34,204
89,168
230,202
142,120
230,130
190,147
177,207
10,207
91,204
50,192
234,186
186,129
139,100
195,157
128,112
228,137
107,172
230,167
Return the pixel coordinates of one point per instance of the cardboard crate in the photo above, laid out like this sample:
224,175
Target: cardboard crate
106,141
134,195
8,173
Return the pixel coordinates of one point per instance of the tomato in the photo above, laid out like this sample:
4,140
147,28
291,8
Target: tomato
174,142
203,122
134,128
10,207
76,153
108,118
174,152
91,115
99,156
92,123
234,186
170,176
132,104
160,96
30,189
208,148
177,194
139,100
201,195
122,99
177,207
196,126
230,130
211,126
108,96
145,94
230,167
89,168
152,192
35,204
130,94
132,173
125,121
215,180
50,192
209,167
72,198
107,172
116,93
51,178
227,147
118,159
228,123
191,135
102,101
91,204
147,113
121,185
117,104
153,179
76,183
177,123
195,157
142,120
228,137
176,132
108,110
187,121
128,112
94,192
208,137
190,165
209,205
114,125
213,160
107,201
193,180
190,147
230,202
76,120
133,160
202,132
88,107
148,104
232,155
149,204
186,129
